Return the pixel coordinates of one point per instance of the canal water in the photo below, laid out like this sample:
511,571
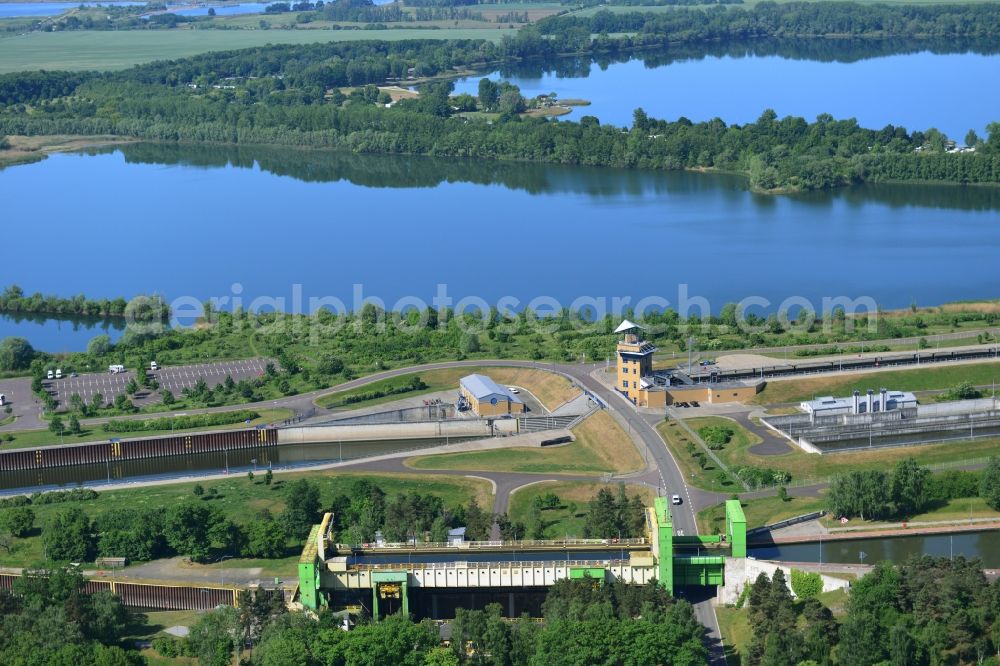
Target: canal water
984,545
236,462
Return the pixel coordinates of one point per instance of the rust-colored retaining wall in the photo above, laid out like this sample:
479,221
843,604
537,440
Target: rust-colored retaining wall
159,597
136,449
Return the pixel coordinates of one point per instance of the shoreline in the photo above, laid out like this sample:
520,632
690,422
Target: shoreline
30,149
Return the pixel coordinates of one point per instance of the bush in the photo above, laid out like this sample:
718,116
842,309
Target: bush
59,496
167,647
806,585
415,384
716,436
181,422
761,477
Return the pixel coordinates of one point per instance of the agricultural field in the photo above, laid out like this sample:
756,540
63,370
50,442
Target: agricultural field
111,50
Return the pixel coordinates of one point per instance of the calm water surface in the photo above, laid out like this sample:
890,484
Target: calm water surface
916,90
196,222
18,9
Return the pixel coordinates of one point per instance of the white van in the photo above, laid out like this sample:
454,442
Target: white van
3,400
58,373
153,367
51,375
115,369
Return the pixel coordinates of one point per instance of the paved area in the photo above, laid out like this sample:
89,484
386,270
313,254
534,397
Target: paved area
772,444
28,408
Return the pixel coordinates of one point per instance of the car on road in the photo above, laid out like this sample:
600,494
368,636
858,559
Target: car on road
513,389
676,499
708,362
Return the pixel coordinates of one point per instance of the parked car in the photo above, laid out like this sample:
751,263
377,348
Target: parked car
694,403
51,374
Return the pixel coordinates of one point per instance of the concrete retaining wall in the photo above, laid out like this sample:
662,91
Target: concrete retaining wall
742,572
388,431
436,412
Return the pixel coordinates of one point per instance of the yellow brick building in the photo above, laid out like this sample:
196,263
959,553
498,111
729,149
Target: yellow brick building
487,398
644,387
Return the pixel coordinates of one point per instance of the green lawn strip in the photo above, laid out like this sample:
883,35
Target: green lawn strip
436,380
677,440
32,438
769,510
240,499
155,623
735,629
566,459
815,468
759,512
916,379
109,50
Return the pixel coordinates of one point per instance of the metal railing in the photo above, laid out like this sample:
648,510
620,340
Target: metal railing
494,545
512,564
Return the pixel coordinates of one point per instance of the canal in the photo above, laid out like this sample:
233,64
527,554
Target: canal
235,462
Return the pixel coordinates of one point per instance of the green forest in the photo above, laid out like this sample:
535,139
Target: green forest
291,95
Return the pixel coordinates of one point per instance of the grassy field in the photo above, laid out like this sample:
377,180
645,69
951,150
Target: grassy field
566,520
769,510
552,390
809,467
30,438
734,626
84,50
916,379
601,447
239,498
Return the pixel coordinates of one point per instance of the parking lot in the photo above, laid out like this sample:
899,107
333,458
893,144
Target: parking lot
172,378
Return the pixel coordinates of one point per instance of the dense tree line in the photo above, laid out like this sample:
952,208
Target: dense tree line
908,489
611,517
787,153
922,612
48,618
584,624
14,300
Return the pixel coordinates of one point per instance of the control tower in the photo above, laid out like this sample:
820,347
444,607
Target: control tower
635,360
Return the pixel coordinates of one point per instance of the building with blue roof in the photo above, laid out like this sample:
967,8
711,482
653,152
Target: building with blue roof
487,398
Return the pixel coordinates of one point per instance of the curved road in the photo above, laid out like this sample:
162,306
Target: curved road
659,460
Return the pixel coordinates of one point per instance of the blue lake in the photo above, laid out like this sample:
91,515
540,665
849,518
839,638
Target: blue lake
19,9
916,90
225,10
269,223
57,335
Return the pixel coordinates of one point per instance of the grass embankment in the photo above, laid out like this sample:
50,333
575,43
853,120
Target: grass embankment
111,50
769,510
566,520
917,379
550,389
601,447
31,438
810,467
239,498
